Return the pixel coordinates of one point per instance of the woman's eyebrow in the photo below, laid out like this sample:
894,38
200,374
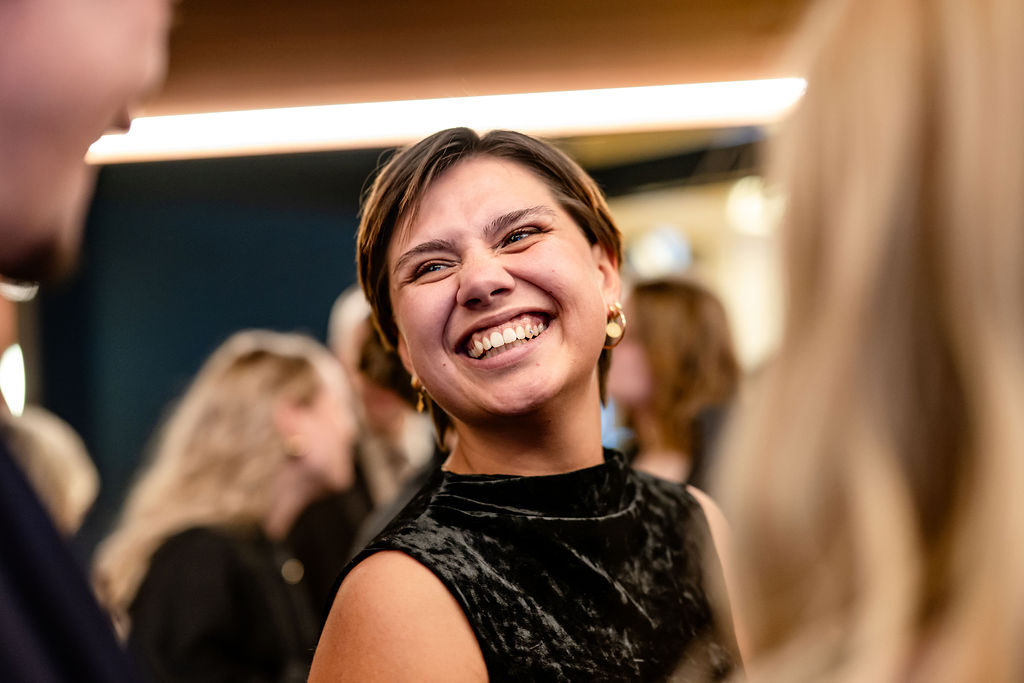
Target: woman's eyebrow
502,222
429,246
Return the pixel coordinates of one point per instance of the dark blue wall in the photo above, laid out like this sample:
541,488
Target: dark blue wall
177,256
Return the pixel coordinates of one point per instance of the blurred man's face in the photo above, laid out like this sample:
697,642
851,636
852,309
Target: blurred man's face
69,71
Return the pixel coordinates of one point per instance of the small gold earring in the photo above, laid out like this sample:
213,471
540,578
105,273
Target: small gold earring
420,393
615,328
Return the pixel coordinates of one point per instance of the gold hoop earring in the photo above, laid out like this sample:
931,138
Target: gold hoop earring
421,393
615,328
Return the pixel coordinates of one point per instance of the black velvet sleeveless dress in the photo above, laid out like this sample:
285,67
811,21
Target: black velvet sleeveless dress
600,574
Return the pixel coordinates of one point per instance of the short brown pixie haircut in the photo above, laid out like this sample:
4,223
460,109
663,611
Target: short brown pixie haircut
398,189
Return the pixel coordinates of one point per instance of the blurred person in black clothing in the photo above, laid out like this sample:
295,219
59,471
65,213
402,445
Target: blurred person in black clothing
332,530
198,571
394,441
69,71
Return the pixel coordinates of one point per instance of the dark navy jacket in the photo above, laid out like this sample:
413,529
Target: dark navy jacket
51,628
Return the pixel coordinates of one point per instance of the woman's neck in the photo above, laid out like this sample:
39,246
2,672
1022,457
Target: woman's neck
545,442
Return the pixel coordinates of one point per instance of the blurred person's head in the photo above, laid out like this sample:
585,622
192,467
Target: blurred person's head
347,328
267,416
376,374
875,484
398,191
69,72
55,461
676,360
384,384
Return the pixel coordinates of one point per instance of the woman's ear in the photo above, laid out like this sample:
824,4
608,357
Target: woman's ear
608,272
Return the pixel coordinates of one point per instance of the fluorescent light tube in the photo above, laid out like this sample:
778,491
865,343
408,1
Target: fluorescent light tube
381,124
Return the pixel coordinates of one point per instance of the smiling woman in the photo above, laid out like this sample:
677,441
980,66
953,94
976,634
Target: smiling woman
491,265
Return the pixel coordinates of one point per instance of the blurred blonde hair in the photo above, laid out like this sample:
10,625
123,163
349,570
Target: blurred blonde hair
875,484
216,456
55,460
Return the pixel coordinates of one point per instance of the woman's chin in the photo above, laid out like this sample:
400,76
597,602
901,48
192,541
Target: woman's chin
491,413
527,399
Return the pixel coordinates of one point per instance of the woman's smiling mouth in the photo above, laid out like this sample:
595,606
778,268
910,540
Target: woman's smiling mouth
491,341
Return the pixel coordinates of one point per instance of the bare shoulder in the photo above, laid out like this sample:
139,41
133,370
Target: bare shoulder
721,536
394,620
716,519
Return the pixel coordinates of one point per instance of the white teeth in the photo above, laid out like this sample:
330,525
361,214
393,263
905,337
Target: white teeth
509,336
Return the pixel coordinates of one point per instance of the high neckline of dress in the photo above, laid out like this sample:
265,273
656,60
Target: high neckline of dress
594,491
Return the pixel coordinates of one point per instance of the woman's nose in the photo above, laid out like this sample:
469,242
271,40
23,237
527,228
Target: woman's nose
482,279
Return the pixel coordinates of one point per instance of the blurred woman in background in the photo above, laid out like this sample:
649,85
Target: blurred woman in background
875,484
196,571
673,377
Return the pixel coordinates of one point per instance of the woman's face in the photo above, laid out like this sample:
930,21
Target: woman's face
326,429
499,299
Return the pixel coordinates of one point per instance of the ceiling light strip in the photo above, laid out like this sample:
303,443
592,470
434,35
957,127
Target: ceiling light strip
380,124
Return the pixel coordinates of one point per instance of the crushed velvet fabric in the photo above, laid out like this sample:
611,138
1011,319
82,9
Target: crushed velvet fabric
600,574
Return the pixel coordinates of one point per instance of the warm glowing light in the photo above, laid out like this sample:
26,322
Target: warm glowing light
380,124
751,209
12,379
660,252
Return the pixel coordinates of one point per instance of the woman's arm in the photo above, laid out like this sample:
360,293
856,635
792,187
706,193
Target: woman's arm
721,536
393,620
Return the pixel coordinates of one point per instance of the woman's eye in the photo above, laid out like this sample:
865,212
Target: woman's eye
519,235
426,268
